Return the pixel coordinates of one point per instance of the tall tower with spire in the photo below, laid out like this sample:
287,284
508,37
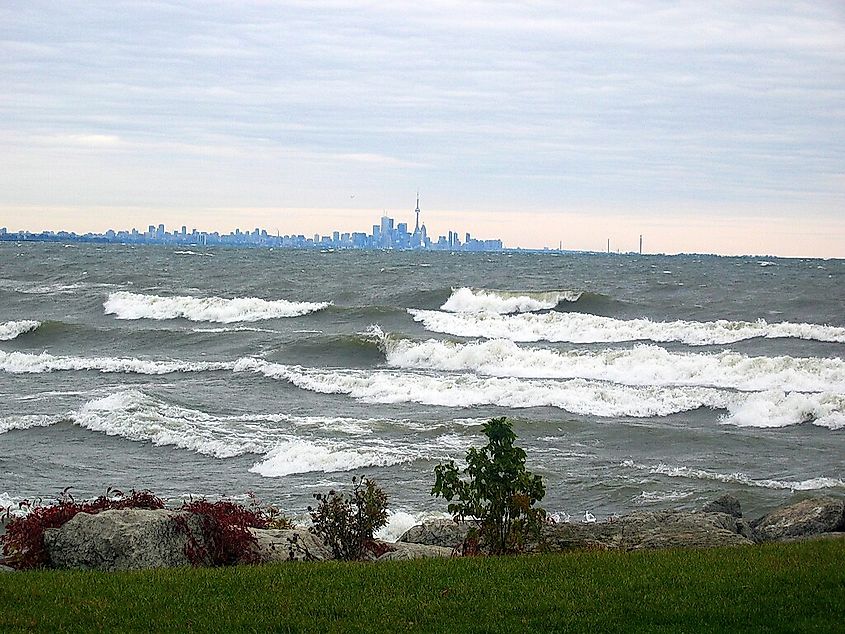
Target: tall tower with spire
417,211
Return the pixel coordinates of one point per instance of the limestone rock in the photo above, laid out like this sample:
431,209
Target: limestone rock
403,551
808,517
4,568
128,539
647,529
727,503
288,545
446,533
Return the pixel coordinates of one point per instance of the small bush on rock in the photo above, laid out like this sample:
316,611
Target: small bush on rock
498,491
347,525
23,542
225,527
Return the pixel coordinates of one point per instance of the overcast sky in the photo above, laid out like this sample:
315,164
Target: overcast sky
706,126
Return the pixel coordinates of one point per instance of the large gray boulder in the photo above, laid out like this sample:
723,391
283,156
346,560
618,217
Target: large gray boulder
402,551
727,503
445,532
812,516
287,545
647,530
129,539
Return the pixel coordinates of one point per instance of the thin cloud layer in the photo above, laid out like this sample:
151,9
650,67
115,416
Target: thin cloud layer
509,107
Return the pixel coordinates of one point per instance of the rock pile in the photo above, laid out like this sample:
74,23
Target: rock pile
719,523
137,539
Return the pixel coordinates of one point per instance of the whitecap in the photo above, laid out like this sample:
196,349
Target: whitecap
475,300
11,329
305,456
640,365
810,484
586,328
578,396
126,305
27,363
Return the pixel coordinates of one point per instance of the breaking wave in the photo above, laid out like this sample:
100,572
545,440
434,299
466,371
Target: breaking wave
305,456
640,365
811,484
136,416
125,305
27,421
577,396
11,329
26,363
480,300
586,328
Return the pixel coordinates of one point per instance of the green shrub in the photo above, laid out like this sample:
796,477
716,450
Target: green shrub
347,524
498,491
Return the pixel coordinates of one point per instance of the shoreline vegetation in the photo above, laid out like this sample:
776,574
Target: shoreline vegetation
125,561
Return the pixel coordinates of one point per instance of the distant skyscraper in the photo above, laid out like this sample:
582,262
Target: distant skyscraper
386,231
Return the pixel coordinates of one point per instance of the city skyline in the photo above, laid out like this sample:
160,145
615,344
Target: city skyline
707,127
385,235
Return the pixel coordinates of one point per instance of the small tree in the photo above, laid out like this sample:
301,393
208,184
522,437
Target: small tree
347,525
498,490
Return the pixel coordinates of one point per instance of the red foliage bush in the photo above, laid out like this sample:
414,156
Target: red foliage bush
226,527
23,542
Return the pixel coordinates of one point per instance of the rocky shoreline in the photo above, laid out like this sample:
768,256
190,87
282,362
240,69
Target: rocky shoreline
134,539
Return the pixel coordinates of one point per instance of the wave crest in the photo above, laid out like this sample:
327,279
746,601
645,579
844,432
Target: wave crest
26,363
586,328
640,365
11,329
480,300
126,305
305,456
810,484
578,396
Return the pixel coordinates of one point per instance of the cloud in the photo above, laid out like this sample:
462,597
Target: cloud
525,104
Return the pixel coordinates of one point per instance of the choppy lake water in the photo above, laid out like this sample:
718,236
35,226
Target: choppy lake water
633,381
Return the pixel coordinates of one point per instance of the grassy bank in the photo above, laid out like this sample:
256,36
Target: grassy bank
796,587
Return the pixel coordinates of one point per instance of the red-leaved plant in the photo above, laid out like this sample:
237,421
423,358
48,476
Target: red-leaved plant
23,541
226,534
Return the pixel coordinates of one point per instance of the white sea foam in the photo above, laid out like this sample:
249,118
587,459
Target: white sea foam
641,365
11,503
578,396
477,300
585,328
810,484
27,421
189,252
136,416
235,329
305,456
467,390
398,522
11,329
125,305
780,409
26,363
48,289
653,497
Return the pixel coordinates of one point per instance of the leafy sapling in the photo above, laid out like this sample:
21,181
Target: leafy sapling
496,490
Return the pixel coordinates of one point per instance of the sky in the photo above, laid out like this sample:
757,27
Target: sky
712,127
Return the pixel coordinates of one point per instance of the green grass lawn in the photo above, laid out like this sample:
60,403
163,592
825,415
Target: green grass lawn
772,588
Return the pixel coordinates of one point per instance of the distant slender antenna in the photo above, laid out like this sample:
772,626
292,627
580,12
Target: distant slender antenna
641,244
608,245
